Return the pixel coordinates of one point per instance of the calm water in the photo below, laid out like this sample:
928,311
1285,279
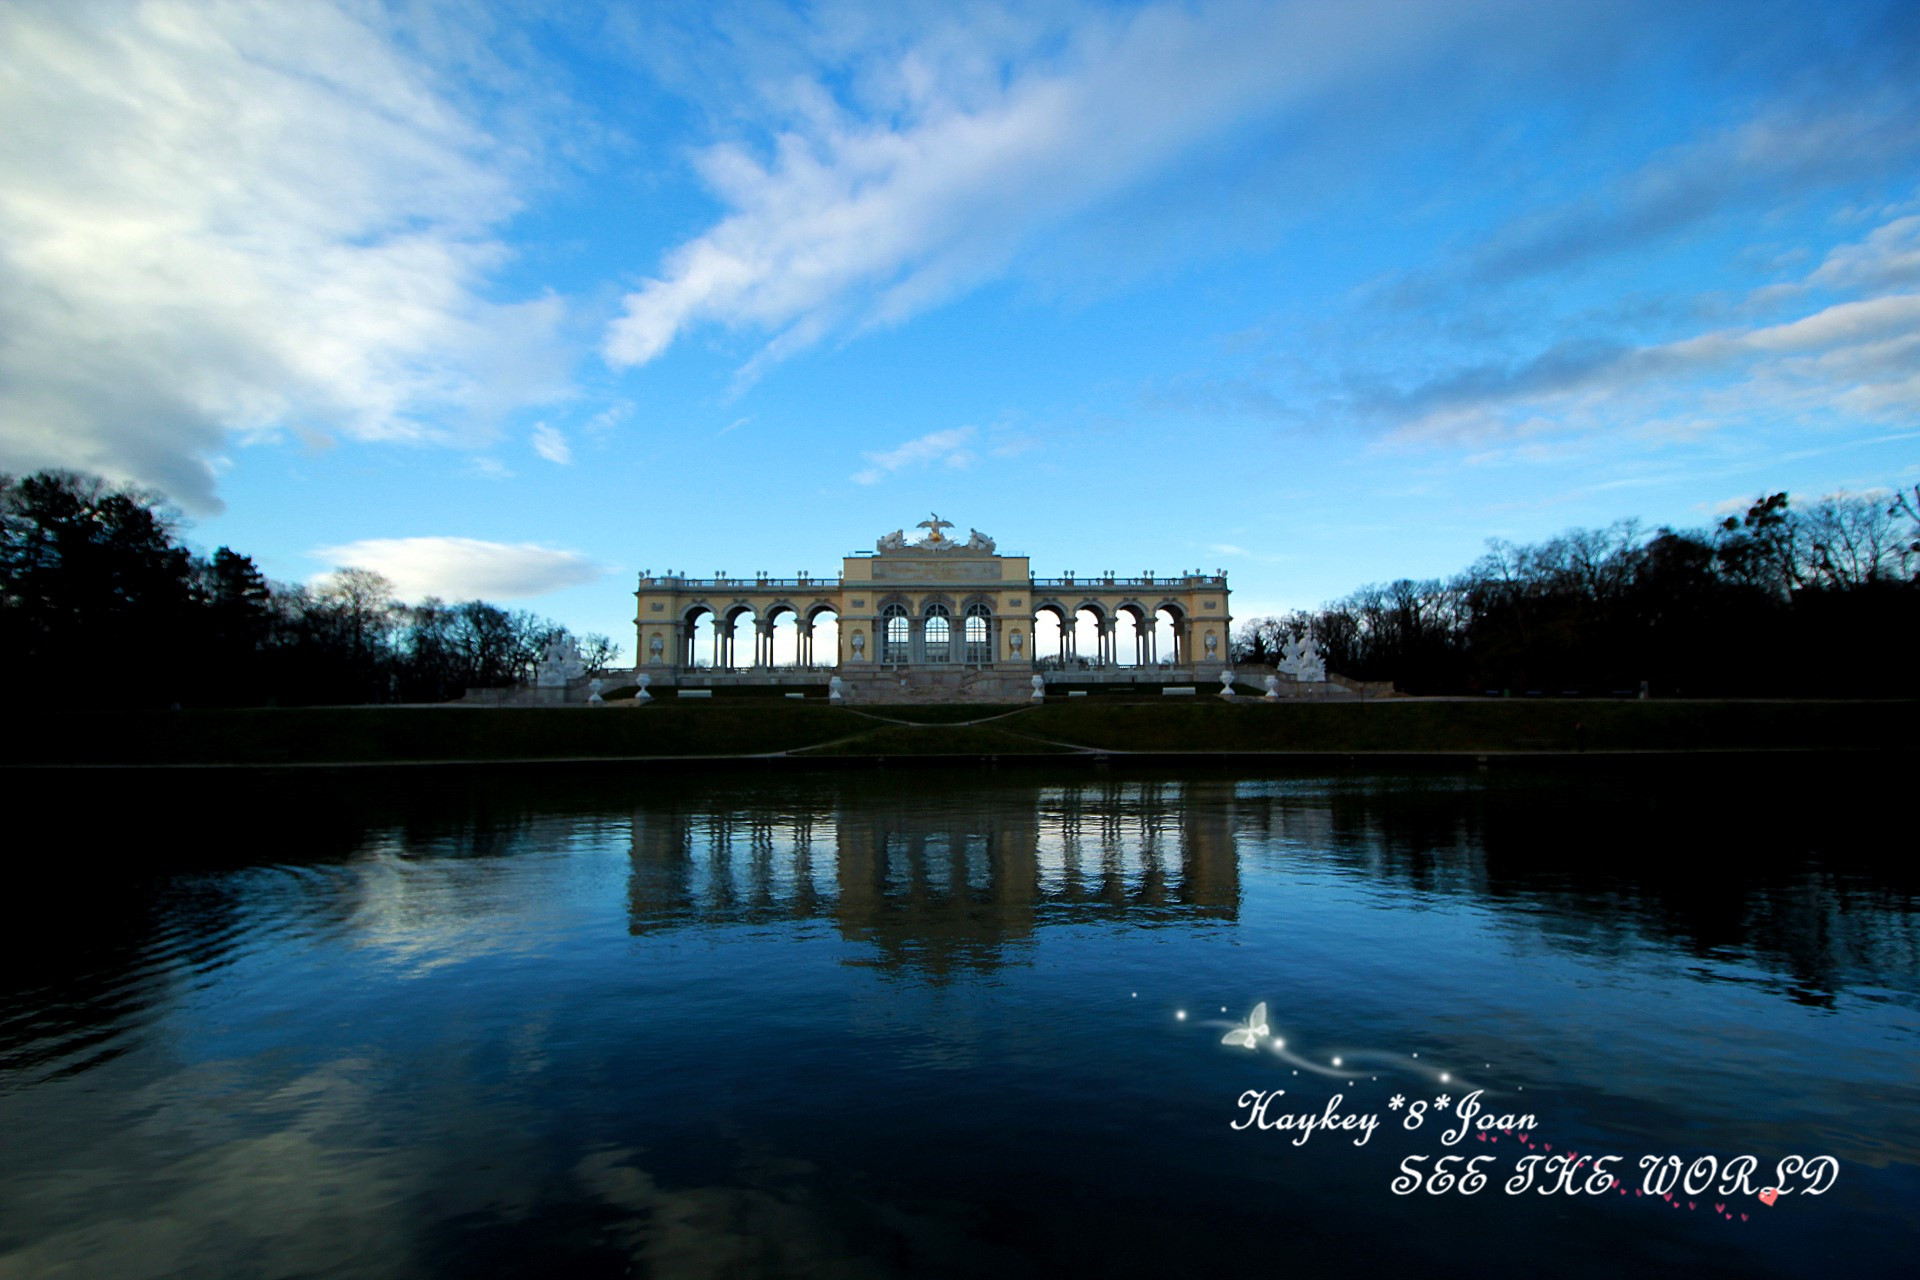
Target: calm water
910,1023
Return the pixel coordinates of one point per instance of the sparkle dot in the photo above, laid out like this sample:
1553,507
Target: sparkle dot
1416,1055
1336,1062
1136,995
1278,1043
1182,1015
1223,1008
1443,1077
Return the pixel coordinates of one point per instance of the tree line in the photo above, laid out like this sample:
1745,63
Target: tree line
1783,600
100,602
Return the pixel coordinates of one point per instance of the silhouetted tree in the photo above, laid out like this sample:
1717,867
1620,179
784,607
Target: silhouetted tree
91,580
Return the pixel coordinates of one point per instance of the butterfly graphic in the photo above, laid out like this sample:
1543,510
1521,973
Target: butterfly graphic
1253,1032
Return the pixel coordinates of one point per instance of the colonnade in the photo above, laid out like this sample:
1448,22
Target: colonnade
1146,637
725,657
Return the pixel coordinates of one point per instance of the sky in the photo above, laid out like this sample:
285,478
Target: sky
518,300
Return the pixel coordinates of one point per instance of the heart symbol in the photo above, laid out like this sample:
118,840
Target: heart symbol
1482,1137
1743,1217
1690,1204
1668,1196
1719,1208
1768,1196
1549,1146
1636,1191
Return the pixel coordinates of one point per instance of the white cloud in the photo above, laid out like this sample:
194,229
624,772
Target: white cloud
1859,357
945,447
464,568
242,218
1889,257
551,445
971,142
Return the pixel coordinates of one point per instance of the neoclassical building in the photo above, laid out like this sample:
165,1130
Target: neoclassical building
923,608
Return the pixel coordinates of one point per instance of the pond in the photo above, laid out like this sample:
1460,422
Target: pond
925,1022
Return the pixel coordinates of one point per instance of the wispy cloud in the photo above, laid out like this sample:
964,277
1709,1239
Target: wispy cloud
1860,357
242,218
1793,146
464,568
973,139
948,448
551,444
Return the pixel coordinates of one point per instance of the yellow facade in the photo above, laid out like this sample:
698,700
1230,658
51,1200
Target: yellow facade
933,604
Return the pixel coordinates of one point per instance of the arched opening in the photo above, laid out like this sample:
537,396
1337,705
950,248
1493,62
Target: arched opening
1051,634
896,635
819,640
783,636
977,635
1127,642
739,640
1170,636
1088,642
698,630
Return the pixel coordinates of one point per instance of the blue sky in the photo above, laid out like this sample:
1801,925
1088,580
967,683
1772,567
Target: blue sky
517,300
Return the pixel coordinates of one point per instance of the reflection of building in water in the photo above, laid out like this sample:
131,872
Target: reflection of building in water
942,880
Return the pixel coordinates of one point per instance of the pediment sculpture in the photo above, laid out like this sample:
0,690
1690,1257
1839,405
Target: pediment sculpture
935,541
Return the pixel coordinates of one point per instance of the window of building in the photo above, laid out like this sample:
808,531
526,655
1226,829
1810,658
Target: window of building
896,633
937,636
979,635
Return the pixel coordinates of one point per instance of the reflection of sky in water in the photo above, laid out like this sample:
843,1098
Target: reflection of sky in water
887,1025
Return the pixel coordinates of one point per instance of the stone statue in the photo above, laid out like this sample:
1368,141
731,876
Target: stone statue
593,692
979,542
1013,639
641,695
895,541
1039,688
836,690
1313,666
1300,658
559,663
1212,644
1273,686
1226,683
859,646
933,526
658,647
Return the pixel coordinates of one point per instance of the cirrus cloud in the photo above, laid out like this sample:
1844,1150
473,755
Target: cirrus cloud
465,568
974,141
243,218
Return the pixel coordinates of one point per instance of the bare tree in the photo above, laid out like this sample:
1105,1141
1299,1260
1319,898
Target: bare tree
1854,541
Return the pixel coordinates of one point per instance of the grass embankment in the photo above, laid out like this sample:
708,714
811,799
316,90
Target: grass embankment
1490,725
373,735
356,735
